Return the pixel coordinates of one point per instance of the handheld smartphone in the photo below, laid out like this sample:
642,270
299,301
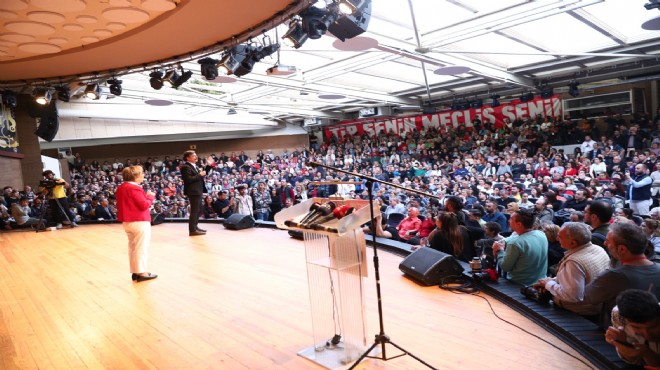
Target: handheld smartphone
629,345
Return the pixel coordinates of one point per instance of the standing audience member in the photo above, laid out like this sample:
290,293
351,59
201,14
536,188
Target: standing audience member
523,255
193,187
243,202
262,201
626,243
133,211
639,190
635,329
581,264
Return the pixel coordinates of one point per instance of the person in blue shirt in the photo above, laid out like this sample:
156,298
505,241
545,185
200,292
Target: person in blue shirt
494,215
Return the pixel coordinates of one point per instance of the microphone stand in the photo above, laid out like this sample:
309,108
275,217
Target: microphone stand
381,338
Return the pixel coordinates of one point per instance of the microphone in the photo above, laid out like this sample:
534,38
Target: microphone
338,213
323,210
312,208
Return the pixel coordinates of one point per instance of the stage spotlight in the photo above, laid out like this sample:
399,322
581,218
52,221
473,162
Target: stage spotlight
476,103
93,91
254,54
573,88
63,93
170,78
185,76
209,68
229,62
156,80
295,36
316,21
9,98
115,86
526,96
42,95
547,92
495,102
348,25
346,7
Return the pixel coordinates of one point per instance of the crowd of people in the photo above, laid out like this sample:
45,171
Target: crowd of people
579,227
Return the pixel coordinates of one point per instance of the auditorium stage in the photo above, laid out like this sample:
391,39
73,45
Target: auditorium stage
227,300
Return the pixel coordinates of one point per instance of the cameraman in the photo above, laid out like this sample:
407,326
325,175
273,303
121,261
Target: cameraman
57,200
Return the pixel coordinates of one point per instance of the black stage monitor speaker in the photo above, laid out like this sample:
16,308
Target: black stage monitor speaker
49,122
239,222
429,266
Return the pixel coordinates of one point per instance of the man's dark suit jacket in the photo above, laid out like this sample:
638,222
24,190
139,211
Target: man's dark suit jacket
193,183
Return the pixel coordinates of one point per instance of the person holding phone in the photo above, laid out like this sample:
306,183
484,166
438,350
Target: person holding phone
635,329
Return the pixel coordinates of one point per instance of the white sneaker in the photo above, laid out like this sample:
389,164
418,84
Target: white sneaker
59,226
73,224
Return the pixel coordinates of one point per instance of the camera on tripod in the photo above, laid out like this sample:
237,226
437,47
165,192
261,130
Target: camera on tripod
47,184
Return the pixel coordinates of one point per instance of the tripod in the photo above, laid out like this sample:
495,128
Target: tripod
381,339
45,207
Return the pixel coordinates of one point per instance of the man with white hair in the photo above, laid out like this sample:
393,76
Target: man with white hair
581,264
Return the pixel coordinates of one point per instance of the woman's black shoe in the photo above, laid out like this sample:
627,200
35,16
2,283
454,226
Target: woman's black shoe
148,276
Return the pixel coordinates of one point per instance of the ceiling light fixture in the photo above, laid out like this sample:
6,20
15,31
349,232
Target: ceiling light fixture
115,86
209,68
349,20
93,91
254,53
495,102
573,89
346,7
170,78
296,35
156,80
316,21
9,98
526,96
42,95
63,93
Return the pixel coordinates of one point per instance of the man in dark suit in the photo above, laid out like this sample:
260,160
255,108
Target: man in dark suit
102,211
193,187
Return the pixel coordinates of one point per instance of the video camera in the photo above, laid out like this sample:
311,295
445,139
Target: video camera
48,184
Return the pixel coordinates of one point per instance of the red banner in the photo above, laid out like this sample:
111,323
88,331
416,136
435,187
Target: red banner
550,107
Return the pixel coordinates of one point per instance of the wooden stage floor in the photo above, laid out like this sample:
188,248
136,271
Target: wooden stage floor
227,300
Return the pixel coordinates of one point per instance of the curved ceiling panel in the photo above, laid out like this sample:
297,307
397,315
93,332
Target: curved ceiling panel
46,39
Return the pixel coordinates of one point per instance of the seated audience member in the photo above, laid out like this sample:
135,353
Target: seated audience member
493,215
395,206
627,213
576,216
652,231
598,215
222,205
22,214
524,202
425,229
103,212
581,264
409,226
555,251
523,255
484,247
455,205
451,237
635,329
207,208
383,230
626,243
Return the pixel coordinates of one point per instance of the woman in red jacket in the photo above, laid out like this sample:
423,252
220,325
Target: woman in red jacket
133,210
